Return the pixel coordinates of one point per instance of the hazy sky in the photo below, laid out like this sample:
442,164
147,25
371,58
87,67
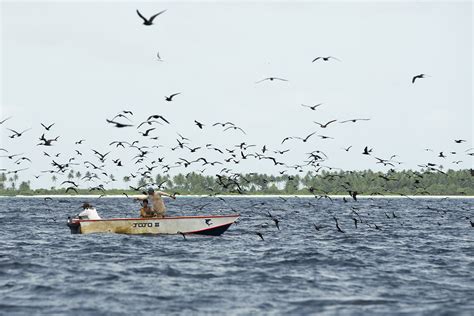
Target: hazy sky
76,64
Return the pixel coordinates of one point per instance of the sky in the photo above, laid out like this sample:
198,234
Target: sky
75,64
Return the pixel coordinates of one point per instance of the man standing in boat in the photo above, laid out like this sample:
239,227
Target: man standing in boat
157,204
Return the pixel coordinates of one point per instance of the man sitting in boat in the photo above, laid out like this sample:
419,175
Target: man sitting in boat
146,211
158,206
89,212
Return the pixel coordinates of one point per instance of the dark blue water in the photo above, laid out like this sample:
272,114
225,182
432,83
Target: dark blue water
421,261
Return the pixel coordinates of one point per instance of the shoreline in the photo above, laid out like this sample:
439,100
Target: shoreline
254,196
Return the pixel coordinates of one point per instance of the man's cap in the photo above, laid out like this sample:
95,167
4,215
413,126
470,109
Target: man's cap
150,190
86,205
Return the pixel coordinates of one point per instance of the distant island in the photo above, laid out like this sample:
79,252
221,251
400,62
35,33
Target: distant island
367,182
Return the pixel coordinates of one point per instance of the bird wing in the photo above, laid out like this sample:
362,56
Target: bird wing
334,58
140,15
262,80
161,117
154,16
280,79
315,59
310,135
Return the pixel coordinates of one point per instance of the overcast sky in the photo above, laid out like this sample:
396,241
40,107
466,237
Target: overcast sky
76,64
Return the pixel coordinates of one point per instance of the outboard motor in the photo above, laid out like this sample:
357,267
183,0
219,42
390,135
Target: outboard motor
73,224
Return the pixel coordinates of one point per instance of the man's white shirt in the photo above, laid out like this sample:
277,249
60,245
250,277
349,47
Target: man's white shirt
91,213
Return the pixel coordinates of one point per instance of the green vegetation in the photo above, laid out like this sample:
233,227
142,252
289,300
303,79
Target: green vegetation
406,182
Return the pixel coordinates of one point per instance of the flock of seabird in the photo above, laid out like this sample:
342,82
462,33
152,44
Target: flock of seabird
229,181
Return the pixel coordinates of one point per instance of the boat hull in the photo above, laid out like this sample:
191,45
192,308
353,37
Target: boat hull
204,225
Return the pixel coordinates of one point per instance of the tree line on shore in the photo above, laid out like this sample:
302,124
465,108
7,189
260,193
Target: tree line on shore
367,182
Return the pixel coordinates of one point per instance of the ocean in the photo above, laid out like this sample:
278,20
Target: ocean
406,256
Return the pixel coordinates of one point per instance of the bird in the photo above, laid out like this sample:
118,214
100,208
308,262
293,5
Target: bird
158,56
276,221
47,127
101,156
337,226
325,125
353,194
325,58
182,234
120,115
312,107
271,79
199,124
157,116
147,131
235,128
347,149
259,235
355,120
4,120
367,151
12,156
119,143
150,20
306,138
17,134
79,142
71,189
117,124
47,142
459,141
170,98
355,222
418,77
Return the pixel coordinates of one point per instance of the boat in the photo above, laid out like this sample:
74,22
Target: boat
213,225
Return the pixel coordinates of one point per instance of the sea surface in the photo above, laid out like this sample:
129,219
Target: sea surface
406,257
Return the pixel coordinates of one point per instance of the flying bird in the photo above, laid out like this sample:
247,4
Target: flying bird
325,125
117,124
325,58
306,138
355,120
147,131
337,225
418,77
271,79
199,124
235,128
47,127
170,98
4,120
158,56
367,151
156,116
150,20
17,134
312,107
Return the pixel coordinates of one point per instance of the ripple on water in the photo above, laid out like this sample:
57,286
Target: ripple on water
412,265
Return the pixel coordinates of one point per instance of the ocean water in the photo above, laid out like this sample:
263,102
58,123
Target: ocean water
420,260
